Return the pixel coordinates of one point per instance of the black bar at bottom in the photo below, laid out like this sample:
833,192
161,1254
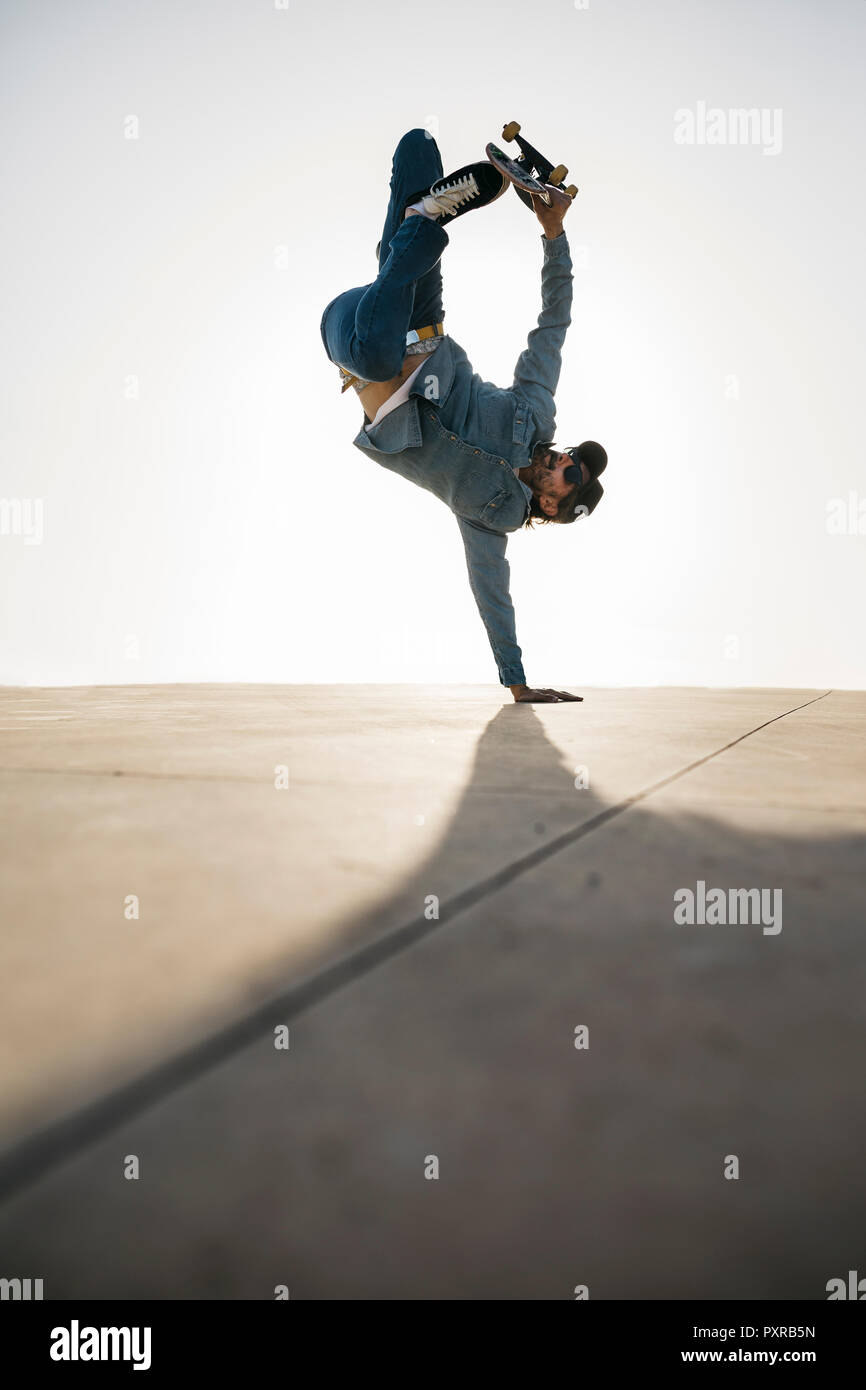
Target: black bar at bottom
165,1339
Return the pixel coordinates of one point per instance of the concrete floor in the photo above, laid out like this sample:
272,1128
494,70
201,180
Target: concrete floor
413,1036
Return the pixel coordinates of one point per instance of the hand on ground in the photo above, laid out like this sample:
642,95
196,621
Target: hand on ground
544,696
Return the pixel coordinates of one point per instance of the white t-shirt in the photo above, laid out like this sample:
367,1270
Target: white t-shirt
398,398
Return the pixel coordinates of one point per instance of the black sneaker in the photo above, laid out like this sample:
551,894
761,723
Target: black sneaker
473,186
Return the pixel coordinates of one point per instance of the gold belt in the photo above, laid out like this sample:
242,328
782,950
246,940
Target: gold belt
418,340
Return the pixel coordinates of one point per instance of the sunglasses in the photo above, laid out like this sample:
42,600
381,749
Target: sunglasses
594,463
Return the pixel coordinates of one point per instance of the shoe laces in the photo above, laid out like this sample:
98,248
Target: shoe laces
459,192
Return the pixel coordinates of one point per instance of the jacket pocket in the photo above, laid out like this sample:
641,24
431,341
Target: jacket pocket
478,502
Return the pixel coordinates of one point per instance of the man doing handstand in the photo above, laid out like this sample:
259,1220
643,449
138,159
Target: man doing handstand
486,452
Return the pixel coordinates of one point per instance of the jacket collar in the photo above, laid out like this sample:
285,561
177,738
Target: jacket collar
399,430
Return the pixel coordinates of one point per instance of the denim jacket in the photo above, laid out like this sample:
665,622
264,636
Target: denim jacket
462,439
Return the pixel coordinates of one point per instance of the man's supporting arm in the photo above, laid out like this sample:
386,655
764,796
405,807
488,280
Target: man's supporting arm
489,575
536,375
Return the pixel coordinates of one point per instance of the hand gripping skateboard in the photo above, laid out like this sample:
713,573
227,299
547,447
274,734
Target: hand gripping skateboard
530,172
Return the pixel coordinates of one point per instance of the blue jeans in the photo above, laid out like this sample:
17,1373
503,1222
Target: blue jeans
364,330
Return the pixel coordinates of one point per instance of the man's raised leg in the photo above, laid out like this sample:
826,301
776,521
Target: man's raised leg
416,165
364,330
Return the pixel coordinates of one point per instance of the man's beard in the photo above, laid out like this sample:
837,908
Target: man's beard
541,455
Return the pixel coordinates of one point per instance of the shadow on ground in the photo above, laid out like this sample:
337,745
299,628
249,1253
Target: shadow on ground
453,1039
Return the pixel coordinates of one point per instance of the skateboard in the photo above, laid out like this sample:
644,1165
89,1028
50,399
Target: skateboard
530,171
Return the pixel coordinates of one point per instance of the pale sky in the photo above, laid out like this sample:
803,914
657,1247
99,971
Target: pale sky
165,399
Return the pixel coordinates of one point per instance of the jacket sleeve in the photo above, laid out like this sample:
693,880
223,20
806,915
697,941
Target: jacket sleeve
536,375
489,575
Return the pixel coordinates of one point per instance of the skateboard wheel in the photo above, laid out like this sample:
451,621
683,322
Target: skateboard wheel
571,190
557,174
509,131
